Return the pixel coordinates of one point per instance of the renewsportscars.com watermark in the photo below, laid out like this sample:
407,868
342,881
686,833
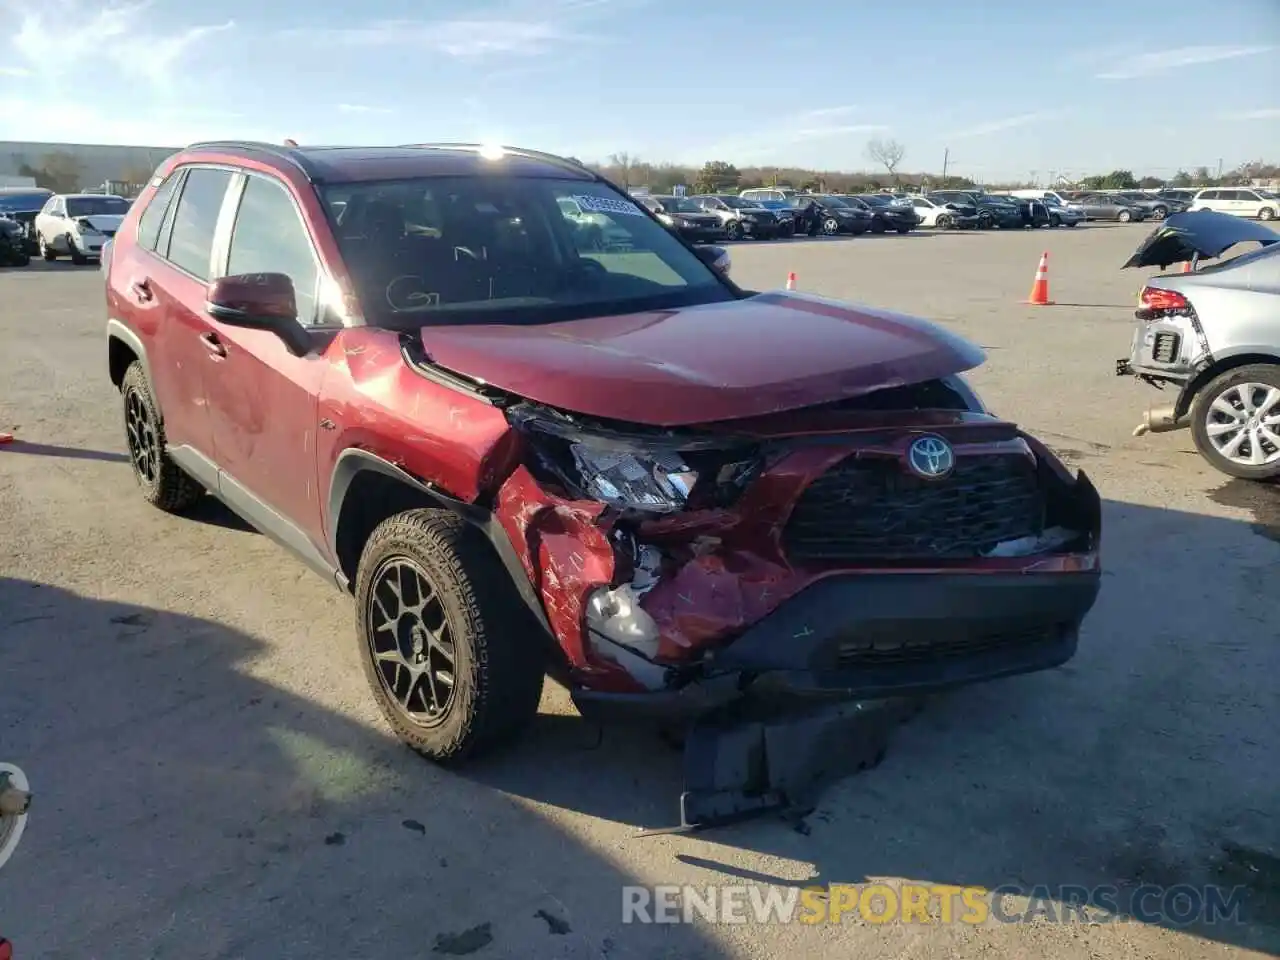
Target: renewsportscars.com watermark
1180,905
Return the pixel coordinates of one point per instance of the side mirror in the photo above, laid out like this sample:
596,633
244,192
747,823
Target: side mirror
259,301
717,258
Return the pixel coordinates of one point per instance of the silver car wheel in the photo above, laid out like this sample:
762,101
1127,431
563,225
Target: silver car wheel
1243,424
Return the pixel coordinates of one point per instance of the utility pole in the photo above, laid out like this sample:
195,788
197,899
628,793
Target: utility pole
1219,168
946,159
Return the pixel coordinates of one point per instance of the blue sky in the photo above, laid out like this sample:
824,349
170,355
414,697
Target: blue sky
1151,86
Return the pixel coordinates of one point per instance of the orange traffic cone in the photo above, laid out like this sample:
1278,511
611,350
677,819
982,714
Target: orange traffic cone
6,438
1040,289
791,280
1186,267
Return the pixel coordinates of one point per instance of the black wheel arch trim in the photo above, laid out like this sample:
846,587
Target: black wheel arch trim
117,330
354,461
1213,368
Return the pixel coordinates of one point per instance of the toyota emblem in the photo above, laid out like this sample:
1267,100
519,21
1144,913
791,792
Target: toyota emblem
931,458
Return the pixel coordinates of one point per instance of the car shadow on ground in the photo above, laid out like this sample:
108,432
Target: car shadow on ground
186,809
1148,759
70,453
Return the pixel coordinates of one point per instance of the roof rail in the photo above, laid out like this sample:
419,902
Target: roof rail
251,147
516,151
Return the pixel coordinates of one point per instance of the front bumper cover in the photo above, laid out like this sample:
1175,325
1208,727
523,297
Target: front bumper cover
812,692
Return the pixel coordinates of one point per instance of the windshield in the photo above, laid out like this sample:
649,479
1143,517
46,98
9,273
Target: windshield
96,206
678,205
876,200
504,250
22,202
737,203
833,202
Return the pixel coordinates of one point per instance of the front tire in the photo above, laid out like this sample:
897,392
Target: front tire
943,222
986,221
163,483
830,227
1055,221
454,659
1235,421
78,258
46,251
733,230
1124,216
1266,213
1159,213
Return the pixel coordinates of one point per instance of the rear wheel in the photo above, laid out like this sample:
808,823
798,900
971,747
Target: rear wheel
1159,213
454,659
943,222
1055,221
986,221
1267,213
830,226
1235,421
46,251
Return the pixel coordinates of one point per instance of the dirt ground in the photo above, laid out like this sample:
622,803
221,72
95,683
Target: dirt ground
212,780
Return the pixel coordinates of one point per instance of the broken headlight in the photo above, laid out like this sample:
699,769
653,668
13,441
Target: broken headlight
628,480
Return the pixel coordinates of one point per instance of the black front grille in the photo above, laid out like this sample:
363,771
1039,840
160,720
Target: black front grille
889,647
875,510
1166,346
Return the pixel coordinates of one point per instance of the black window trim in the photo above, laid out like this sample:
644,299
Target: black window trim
166,225
225,229
175,176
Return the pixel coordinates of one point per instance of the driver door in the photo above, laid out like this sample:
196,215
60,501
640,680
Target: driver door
263,399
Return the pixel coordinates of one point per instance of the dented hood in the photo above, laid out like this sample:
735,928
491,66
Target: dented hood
1203,233
745,358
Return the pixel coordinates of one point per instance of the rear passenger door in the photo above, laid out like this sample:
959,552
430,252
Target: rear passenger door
167,282
262,398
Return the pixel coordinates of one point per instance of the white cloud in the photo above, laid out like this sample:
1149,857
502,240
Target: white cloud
827,113
1161,61
362,108
14,72
1261,113
996,126
462,39
54,40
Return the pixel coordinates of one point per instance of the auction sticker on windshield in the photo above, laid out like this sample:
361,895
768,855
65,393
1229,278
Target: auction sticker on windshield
608,205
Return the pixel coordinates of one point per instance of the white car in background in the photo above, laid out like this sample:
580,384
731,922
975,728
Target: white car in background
78,224
941,216
1239,202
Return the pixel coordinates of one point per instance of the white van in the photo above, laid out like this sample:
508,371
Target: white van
1051,195
1238,201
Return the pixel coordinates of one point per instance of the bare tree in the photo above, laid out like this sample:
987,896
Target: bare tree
887,153
626,165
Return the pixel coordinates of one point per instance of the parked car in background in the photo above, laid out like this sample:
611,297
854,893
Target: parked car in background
743,218
1063,215
993,210
13,243
22,205
684,217
1064,198
805,211
943,216
1183,194
840,215
1239,202
1104,206
1156,208
770,194
887,215
1213,336
1032,213
78,224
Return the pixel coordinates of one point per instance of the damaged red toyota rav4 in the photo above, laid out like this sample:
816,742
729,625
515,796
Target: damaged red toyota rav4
531,430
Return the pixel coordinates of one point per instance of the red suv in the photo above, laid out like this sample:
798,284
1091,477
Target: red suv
522,449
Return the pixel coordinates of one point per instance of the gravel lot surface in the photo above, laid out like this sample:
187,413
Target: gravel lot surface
212,780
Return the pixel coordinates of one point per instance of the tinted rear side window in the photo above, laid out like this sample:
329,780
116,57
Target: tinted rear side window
191,241
153,215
